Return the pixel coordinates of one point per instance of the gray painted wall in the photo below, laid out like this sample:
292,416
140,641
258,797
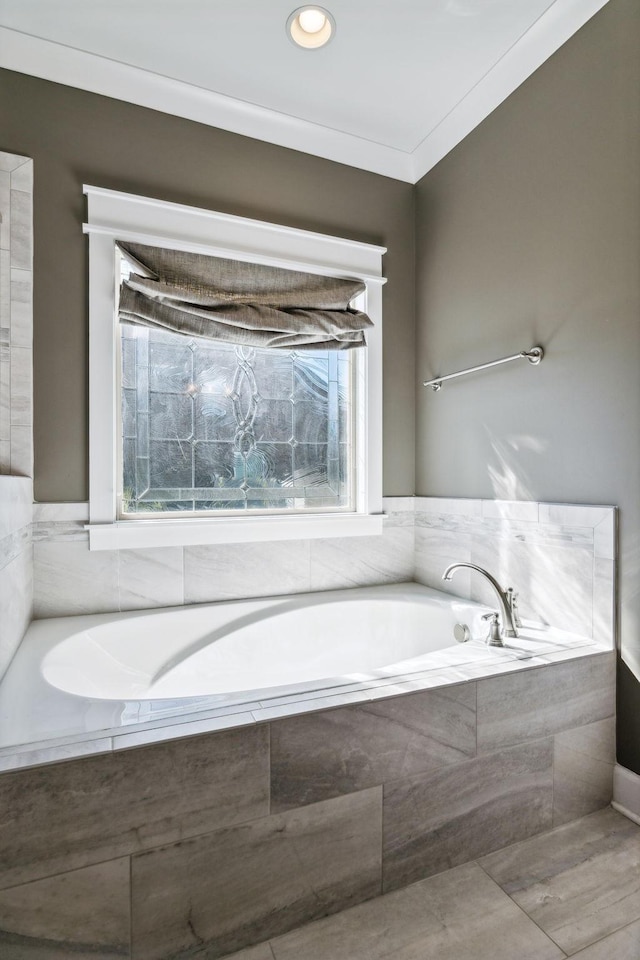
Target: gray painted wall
76,137
527,233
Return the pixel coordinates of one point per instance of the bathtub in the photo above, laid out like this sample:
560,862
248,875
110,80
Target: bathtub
81,685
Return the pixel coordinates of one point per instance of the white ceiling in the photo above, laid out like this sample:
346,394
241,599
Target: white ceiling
399,85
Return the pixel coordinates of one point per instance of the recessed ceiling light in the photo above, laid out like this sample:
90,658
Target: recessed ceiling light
311,27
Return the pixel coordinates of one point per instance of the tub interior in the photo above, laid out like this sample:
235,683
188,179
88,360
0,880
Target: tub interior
86,684
256,646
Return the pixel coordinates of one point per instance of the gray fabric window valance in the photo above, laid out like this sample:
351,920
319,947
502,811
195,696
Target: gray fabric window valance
245,303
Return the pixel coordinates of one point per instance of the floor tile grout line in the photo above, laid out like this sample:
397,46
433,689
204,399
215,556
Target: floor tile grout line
402,890
607,936
270,943
522,910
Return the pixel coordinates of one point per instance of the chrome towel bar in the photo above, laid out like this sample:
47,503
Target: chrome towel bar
534,356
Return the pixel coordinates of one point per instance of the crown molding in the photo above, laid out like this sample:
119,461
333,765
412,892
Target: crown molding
556,25
76,68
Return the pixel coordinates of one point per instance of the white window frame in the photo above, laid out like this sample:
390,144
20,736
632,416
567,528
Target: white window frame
111,216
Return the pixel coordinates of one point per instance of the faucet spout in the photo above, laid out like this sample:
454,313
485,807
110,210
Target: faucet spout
503,596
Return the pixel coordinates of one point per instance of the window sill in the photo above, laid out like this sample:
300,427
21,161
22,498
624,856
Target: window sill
134,534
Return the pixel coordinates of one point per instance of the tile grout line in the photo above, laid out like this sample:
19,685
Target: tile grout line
118,566
63,873
521,909
593,588
269,777
553,779
476,724
607,936
130,906
9,248
381,785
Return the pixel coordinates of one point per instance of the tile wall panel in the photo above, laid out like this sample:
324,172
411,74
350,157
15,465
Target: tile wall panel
560,558
421,537
541,702
70,579
16,323
84,914
325,754
583,763
150,578
436,821
243,884
232,571
16,391
16,564
60,817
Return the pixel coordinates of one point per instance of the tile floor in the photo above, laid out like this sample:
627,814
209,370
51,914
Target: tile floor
571,892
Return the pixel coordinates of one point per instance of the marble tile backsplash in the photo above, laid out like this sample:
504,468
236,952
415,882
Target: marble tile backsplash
70,579
559,558
16,564
16,290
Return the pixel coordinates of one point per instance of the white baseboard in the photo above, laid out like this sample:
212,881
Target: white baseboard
626,793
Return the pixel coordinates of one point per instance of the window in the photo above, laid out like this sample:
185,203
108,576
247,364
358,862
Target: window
195,440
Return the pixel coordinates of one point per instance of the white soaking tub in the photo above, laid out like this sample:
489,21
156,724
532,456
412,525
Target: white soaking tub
85,684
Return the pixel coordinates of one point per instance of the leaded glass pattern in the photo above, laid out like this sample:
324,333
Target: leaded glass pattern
212,426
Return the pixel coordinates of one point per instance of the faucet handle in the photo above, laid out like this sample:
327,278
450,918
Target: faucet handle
495,630
512,600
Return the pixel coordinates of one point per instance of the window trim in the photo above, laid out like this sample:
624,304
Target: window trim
113,215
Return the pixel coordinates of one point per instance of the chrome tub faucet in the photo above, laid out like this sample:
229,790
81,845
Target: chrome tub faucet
506,599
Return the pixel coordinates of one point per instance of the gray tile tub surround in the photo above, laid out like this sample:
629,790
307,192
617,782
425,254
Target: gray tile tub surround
541,702
325,754
540,734
215,868
459,813
214,893
466,769
332,752
559,557
583,765
84,914
262,951
69,815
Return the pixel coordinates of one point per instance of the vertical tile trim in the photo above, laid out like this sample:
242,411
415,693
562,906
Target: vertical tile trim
269,780
130,907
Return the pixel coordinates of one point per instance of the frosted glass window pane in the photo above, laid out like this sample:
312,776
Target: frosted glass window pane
214,427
